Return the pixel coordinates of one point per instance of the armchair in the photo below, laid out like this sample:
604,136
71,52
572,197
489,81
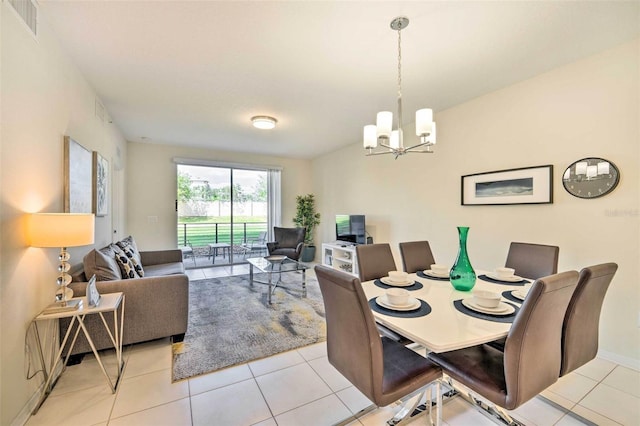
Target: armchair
288,242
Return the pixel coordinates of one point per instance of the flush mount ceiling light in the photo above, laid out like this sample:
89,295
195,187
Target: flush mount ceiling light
263,122
391,141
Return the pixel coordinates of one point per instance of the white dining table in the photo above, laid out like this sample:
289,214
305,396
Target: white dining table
444,328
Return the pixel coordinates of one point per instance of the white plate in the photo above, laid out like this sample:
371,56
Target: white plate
511,279
387,281
502,309
518,294
431,273
384,302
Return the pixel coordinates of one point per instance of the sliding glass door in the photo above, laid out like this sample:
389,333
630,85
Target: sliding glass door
223,213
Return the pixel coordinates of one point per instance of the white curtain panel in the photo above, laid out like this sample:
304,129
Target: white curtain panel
274,216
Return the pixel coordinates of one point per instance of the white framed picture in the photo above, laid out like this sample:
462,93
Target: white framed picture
100,185
77,177
93,296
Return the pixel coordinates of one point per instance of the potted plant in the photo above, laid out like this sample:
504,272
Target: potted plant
307,216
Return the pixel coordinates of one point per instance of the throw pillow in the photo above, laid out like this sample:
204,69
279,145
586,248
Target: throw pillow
130,242
103,264
137,266
125,264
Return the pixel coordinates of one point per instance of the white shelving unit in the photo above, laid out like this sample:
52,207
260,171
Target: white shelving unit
342,257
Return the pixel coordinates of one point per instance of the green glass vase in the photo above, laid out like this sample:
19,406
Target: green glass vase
462,275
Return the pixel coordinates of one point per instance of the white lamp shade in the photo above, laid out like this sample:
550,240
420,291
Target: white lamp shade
603,168
581,168
370,137
432,137
394,142
424,121
384,122
592,171
61,229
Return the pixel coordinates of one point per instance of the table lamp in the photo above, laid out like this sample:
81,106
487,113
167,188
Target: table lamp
62,230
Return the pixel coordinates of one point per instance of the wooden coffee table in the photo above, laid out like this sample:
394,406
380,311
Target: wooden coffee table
276,265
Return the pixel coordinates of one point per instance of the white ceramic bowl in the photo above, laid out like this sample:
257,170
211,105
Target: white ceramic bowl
398,296
440,269
398,276
486,299
505,272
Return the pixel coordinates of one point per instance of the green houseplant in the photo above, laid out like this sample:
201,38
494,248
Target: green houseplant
307,216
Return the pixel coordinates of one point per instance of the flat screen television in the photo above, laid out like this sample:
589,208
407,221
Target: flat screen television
350,228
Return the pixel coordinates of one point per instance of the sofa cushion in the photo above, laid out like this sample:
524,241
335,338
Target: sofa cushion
164,269
125,263
103,264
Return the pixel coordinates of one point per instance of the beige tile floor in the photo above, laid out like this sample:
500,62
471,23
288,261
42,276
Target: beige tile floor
299,387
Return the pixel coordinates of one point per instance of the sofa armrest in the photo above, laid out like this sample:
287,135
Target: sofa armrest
160,256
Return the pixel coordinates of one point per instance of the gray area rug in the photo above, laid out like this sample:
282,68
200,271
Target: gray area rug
230,322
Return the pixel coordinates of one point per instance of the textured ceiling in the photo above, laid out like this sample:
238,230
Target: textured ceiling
194,73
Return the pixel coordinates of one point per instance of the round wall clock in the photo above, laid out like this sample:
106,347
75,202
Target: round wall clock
590,178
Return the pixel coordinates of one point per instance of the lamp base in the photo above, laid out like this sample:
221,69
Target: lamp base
70,305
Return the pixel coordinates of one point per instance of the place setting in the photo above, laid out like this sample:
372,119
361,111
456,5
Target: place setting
487,305
396,279
518,295
437,272
398,302
503,275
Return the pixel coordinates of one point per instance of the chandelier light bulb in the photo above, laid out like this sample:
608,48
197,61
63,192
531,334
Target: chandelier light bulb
384,124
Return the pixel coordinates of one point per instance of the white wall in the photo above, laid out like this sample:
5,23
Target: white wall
44,98
588,108
152,187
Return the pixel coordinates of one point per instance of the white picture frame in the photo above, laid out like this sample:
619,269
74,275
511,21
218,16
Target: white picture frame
100,202
93,295
77,177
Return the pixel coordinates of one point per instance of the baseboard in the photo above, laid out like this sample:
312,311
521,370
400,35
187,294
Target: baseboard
621,360
24,414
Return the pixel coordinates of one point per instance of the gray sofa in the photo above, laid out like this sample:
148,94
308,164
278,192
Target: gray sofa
156,305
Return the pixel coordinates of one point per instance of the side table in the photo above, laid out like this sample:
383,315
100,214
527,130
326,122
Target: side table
109,302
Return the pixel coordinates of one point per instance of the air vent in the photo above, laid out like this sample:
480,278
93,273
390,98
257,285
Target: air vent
28,11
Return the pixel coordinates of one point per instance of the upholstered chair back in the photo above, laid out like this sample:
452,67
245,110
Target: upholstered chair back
582,319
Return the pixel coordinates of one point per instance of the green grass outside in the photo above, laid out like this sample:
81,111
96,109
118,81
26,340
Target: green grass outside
201,230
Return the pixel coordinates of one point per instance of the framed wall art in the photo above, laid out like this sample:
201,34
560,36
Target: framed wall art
100,185
77,177
527,185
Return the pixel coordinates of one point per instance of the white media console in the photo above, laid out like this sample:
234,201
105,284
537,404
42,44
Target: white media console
340,256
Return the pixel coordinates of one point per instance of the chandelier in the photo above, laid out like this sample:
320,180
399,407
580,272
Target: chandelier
391,141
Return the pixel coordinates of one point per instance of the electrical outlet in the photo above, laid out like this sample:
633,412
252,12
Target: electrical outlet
152,219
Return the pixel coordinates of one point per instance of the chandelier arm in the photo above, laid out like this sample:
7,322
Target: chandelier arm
419,145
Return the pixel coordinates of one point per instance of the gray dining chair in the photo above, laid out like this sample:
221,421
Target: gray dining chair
582,319
385,371
533,260
416,256
374,261
532,355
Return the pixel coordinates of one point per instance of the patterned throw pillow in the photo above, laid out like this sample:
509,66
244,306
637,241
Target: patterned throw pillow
129,241
129,247
125,264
